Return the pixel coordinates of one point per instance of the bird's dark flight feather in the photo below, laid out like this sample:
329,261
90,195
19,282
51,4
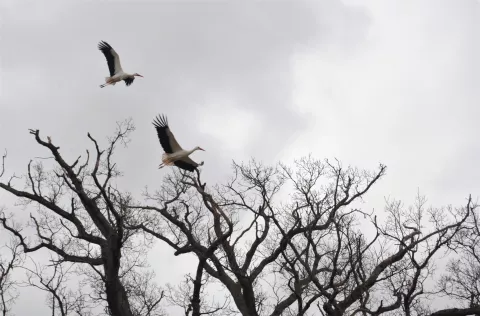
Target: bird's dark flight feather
106,50
161,125
129,81
184,165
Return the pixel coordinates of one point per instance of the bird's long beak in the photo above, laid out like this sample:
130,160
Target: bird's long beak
202,149
139,75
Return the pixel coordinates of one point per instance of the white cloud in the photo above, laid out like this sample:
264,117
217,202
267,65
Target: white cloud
401,99
229,124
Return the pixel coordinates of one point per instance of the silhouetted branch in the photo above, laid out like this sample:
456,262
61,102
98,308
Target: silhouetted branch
60,299
11,258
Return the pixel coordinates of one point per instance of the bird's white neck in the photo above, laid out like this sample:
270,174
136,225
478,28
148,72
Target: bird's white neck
191,151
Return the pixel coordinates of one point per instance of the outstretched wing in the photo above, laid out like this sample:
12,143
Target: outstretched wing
112,57
186,164
129,80
167,140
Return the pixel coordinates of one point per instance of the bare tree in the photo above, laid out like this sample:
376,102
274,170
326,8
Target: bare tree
54,281
78,217
278,257
388,271
11,258
195,222
279,240
462,280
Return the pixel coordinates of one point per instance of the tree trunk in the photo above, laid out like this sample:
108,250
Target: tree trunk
117,298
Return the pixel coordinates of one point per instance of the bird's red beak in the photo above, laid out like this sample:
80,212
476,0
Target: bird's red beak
202,149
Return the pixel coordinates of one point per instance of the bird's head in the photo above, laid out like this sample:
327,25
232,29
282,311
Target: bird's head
137,75
199,148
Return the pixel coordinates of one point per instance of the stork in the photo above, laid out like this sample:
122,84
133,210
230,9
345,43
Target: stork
174,154
116,71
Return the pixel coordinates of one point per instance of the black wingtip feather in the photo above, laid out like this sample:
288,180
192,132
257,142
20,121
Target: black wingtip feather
106,49
160,121
161,125
102,45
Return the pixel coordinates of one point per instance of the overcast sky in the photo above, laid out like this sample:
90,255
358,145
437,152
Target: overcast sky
365,81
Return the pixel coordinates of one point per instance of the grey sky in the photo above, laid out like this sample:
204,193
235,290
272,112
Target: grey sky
364,81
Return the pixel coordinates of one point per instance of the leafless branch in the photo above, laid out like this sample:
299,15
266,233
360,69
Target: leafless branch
11,258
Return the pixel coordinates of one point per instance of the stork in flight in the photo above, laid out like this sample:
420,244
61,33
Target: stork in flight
174,154
116,71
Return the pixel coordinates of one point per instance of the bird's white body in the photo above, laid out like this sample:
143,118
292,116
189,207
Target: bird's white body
169,159
117,77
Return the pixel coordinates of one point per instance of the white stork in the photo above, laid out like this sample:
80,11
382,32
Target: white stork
174,154
116,71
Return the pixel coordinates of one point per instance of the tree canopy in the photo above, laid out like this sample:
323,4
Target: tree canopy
275,240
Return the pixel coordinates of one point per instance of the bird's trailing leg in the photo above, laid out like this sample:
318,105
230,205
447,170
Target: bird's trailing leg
106,84
108,80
